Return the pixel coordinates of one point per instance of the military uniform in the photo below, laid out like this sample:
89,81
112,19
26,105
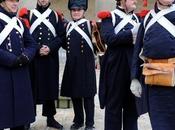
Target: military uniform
114,90
15,85
157,42
79,81
47,29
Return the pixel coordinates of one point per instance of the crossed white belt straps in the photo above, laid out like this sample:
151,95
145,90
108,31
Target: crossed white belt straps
74,26
126,18
161,19
41,18
11,24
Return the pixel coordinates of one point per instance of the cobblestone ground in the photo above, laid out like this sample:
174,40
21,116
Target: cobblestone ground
65,116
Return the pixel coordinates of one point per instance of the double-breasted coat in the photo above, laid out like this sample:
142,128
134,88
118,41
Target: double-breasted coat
16,101
79,79
45,69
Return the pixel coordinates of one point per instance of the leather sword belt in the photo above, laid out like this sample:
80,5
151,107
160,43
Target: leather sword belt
159,72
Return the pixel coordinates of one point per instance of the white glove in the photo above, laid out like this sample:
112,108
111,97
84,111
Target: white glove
136,88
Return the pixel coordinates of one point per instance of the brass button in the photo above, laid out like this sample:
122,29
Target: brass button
68,51
40,33
10,50
81,46
81,51
68,43
39,38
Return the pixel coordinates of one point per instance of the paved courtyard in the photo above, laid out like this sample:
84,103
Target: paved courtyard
65,116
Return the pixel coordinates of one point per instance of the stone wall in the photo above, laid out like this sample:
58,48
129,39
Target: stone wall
93,6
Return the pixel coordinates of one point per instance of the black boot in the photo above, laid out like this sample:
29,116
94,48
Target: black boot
76,126
51,122
89,128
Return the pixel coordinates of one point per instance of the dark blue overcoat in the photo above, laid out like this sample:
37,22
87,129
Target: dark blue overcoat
16,101
45,69
114,86
79,78
157,43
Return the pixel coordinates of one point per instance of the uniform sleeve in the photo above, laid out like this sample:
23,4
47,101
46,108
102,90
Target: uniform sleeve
7,58
30,46
112,39
60,38
136,70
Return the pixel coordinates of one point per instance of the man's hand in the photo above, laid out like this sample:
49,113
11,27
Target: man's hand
44,50
136,88
21,60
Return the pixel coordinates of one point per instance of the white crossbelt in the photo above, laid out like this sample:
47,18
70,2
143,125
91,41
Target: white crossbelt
74,26
11,24
68,30
41,18
161,19
126,18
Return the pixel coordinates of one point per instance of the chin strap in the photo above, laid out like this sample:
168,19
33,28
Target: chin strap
163,4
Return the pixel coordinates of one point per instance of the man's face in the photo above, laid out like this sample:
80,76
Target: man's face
43,3
130,5
12,5
77,13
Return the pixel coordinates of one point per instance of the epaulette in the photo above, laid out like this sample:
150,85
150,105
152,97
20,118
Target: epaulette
23,12
60,14
142,13
144,10
104,14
